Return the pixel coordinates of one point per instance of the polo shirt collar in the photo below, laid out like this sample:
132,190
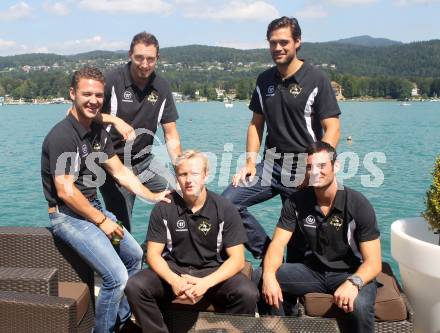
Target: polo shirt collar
338,204
298,76
82,132
182,208
128,80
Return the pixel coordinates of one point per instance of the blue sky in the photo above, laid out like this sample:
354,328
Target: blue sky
75,26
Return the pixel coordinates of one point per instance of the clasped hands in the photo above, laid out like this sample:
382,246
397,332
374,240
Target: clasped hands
191,288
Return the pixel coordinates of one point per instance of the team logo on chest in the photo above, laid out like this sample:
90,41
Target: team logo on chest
270,91
128,96
310,219
153,97
295,89
336,222
181,225
204,227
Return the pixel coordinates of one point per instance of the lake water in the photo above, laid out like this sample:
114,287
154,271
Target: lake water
407,137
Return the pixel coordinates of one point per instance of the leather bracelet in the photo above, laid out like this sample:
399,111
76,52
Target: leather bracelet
102,221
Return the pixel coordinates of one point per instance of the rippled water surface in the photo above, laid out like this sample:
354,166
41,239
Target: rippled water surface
408,137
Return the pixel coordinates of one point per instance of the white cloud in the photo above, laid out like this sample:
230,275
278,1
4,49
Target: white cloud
88,44
4,44
125,6
230,10
345,3
415,2
58,8
15,12
312,12
64,47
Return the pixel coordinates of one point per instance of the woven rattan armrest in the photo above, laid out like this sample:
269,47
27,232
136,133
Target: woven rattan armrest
34,280
37,247
26,312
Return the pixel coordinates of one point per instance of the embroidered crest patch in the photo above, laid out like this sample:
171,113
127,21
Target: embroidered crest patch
295,89
336,221
204,227
153,97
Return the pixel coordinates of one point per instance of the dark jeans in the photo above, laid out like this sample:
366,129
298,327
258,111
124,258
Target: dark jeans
297,279
268,182
120,201
146,292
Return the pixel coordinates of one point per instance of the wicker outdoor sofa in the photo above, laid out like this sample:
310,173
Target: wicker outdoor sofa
45,287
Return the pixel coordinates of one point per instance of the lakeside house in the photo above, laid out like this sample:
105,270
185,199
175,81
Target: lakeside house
337,88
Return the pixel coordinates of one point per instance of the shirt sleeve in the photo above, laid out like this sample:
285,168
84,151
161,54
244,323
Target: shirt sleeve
288,220
63,157
170,112
326,103
108,147
256,100
157,230
233,229
366,222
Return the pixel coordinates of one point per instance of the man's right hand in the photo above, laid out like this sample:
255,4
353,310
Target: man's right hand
247,171
272,292
179,286
111,229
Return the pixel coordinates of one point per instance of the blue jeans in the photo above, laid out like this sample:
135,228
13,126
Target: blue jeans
297,279
114,266
261,190
120,201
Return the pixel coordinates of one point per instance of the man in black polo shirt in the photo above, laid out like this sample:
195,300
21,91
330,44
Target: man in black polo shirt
195,249
138,101
298,106
72,156
339,229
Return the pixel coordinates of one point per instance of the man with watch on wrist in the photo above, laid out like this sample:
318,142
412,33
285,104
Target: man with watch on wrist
73,154
337,227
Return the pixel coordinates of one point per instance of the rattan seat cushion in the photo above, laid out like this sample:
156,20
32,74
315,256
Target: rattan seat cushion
389,306
79,292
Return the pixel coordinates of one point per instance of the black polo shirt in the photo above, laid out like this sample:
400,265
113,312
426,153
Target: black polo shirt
196,239
293,108
70,145
144,109
331,240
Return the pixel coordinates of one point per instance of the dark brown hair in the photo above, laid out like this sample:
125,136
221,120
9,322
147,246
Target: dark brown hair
283,22
86,73
145,38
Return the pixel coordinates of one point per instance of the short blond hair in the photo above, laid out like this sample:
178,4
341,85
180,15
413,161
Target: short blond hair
191,154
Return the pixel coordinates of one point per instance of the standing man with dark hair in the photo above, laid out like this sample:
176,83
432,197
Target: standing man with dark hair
339,228
137,102
298,106
195,250
72,156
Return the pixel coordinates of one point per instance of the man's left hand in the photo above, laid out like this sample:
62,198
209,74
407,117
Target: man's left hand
199,288
345,295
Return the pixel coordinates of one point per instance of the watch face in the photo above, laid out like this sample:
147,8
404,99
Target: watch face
357,281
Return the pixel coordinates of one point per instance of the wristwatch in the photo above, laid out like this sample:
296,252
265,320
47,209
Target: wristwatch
356,280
